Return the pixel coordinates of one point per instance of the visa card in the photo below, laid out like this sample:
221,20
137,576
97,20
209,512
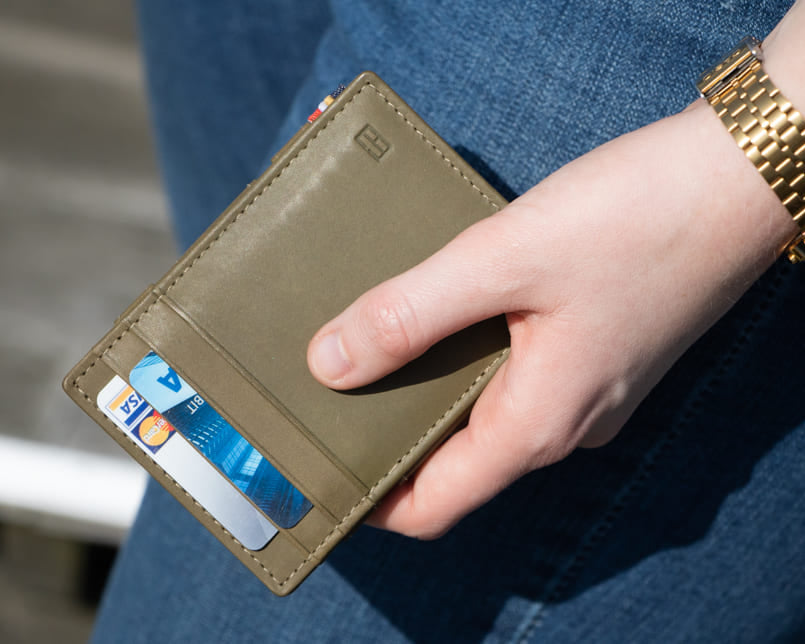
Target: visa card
155,436
234,456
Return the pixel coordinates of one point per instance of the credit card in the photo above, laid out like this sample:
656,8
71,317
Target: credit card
234,456
155,436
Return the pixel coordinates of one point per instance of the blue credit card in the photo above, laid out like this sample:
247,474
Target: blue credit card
234,456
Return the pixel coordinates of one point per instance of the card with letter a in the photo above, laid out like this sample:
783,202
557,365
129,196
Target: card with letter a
155,436
223,446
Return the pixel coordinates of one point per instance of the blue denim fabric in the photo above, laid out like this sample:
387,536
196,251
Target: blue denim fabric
689,527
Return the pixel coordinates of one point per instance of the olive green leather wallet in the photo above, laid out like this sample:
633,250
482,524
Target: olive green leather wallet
363,193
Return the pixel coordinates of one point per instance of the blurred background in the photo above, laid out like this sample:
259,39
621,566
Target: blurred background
83,229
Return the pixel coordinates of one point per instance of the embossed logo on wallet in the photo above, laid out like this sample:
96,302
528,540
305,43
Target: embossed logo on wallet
371,141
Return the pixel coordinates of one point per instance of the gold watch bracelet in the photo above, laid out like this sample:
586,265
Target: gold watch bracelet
765,125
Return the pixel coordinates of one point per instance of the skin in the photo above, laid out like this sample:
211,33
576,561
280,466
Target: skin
607,271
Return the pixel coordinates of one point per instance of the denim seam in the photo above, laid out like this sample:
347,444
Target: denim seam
563,579
428,431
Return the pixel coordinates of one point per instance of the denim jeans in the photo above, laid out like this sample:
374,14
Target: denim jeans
689,526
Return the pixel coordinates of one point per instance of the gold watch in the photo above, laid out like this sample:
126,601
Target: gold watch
765,126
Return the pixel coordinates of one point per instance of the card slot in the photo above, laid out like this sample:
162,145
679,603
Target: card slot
233,394
284,560
96,370
119,359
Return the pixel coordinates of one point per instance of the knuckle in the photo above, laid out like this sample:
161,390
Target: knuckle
388,325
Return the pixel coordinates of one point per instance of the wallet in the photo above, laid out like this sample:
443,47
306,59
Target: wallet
358,195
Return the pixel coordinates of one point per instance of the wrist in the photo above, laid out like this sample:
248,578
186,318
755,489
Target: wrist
751,224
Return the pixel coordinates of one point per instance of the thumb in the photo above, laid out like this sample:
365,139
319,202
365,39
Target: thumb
465,282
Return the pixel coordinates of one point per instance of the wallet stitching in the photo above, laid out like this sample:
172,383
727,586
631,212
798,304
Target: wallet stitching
434,146
203,251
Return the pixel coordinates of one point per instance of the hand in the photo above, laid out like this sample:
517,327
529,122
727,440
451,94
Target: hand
607,271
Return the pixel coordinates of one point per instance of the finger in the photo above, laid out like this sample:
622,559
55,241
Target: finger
470,279
465,472
503,440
